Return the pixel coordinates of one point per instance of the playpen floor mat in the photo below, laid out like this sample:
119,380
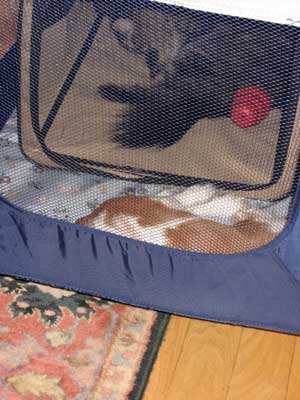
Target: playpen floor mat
74,196
212,149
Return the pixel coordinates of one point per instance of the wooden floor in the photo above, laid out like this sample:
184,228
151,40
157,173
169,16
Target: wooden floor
207,361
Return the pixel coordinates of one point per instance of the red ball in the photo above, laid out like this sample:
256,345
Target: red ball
251,105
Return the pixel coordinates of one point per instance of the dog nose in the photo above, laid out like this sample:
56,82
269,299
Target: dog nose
195,65
152,61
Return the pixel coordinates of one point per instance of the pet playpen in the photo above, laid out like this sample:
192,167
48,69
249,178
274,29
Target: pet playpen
156,159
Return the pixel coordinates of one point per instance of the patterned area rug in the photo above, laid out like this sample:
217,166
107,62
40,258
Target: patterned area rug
61,345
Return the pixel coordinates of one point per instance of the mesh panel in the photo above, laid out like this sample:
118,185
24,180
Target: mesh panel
191,117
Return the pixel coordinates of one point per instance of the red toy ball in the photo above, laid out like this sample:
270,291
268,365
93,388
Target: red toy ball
251,105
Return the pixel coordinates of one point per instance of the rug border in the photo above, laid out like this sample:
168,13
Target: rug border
157,334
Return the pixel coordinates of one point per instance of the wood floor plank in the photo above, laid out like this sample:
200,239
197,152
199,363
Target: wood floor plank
293,392
206,362
263,365
165,365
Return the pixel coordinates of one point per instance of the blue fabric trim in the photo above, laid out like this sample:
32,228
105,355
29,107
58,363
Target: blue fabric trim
250,289
289,250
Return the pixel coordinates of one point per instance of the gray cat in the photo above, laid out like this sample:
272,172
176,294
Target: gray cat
208,59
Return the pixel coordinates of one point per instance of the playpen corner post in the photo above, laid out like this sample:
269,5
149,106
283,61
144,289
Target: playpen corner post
9,84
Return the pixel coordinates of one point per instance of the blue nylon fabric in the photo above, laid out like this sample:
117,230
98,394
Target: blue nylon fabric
289,251
251,289
8,84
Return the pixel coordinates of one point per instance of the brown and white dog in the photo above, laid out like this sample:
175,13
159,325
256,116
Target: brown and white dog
185,221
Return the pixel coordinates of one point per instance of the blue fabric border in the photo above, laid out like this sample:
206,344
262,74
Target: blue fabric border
251,289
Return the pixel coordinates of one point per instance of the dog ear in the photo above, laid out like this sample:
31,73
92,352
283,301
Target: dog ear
119,94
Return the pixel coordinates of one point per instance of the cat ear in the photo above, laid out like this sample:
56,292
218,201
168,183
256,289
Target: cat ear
123,25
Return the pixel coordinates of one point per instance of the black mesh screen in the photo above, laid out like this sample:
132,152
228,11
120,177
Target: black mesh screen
156,122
